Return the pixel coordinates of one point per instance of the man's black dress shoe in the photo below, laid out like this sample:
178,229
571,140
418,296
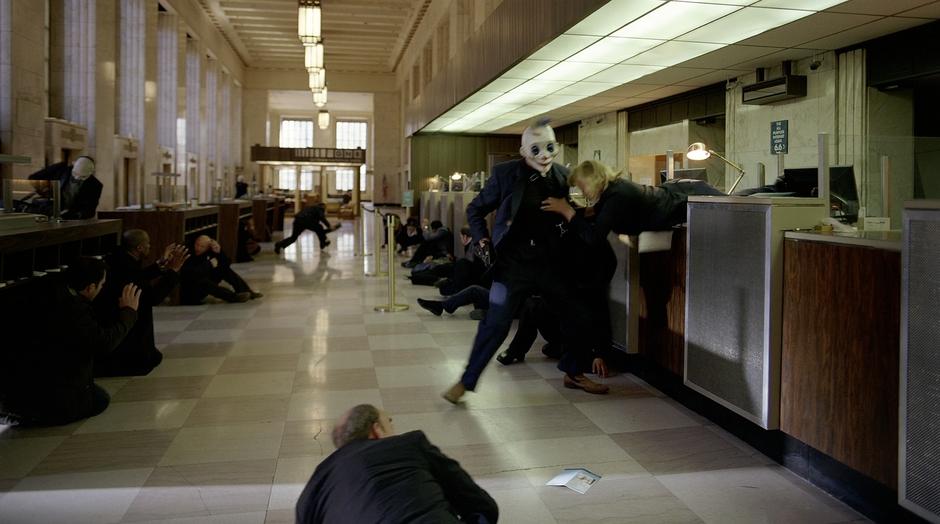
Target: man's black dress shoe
506,358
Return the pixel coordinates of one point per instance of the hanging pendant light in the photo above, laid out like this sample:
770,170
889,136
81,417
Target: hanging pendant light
319,97
323,119
308,21
313,56
317,79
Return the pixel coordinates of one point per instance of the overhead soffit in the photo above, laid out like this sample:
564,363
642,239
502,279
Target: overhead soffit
294,100
615,58
359,35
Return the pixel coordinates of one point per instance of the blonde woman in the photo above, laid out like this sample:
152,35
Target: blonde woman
622,206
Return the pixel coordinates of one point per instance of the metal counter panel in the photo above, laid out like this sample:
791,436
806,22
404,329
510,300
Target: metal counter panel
728,306
919,439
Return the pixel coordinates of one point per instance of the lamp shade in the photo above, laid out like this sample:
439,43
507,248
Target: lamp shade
317,79
323,119
308,21
456,176
698,151
313,56
319,97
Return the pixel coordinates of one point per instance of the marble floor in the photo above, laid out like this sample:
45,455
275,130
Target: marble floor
231,425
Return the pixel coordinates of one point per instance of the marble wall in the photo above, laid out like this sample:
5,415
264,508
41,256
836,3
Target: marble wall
747,127
22,73
597,139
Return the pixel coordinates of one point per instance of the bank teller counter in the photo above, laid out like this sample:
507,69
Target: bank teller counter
734,297
32,259
231,215
268,216
840,347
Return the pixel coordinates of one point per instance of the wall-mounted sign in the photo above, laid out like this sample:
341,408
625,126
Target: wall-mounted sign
408,199
779,140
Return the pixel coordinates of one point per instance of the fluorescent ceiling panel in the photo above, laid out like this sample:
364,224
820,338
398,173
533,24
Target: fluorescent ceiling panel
515,97
674,19
726,2
571,71
561,100
538,86
478,99
583,89
562,47
528,69
810,5
612,50
743,24
502,85
621,74
672,53
612,16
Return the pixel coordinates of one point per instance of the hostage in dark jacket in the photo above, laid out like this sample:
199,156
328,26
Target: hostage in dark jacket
375,476
137,354
52,382
204,272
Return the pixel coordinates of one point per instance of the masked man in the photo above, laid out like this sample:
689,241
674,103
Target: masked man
530,254
81,191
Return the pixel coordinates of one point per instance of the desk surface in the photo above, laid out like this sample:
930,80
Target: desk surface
73,229
888,240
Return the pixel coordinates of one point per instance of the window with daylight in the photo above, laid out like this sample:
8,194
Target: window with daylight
287,179
350,135
344,178
296,133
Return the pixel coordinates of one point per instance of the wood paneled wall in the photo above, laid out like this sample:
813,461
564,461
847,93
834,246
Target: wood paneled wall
839,391
662,305
513,31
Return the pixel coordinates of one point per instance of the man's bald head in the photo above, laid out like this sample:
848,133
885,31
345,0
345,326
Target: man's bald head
201,245
363,422
136,242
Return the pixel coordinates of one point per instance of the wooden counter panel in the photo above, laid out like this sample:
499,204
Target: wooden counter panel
52,233
839,384
661,334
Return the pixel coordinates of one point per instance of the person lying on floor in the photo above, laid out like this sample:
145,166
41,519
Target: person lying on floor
479,296
204,272
375,476
438,243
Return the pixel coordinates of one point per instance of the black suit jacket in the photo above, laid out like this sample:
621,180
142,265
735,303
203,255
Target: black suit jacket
85,204
503,193
392,480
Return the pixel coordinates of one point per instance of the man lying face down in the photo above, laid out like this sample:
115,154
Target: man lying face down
376,476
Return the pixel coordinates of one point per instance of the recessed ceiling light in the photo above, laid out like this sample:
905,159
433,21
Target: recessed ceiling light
672,53
674,19
562,47
743,24
612,16
612,50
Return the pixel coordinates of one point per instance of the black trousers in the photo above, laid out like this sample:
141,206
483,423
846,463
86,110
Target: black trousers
536,317
299,227
195,292
515,281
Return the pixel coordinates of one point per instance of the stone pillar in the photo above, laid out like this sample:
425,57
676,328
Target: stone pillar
210,130
194,75
167,78
387,138
22,68
224,136
255,124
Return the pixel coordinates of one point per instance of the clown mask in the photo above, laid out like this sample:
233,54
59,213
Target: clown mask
84,167
539,147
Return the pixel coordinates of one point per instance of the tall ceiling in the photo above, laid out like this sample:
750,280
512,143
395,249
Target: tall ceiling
358,35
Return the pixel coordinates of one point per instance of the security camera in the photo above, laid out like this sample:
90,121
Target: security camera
814,65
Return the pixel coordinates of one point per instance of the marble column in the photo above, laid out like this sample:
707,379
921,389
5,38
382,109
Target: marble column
193,115
210,130
167,81
254,117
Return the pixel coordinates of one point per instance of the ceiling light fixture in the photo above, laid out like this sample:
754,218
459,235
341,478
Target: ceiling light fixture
313,56
323,119
317,79
319,97
308,21
621,42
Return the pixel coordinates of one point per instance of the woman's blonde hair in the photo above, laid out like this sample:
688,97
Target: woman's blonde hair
593,173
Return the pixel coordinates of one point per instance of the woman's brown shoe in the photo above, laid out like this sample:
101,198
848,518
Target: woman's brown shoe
453,394
588,385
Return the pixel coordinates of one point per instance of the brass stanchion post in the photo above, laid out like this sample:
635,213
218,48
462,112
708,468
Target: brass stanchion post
391,307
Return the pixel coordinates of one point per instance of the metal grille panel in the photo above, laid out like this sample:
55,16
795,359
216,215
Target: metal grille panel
921,419
726,304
